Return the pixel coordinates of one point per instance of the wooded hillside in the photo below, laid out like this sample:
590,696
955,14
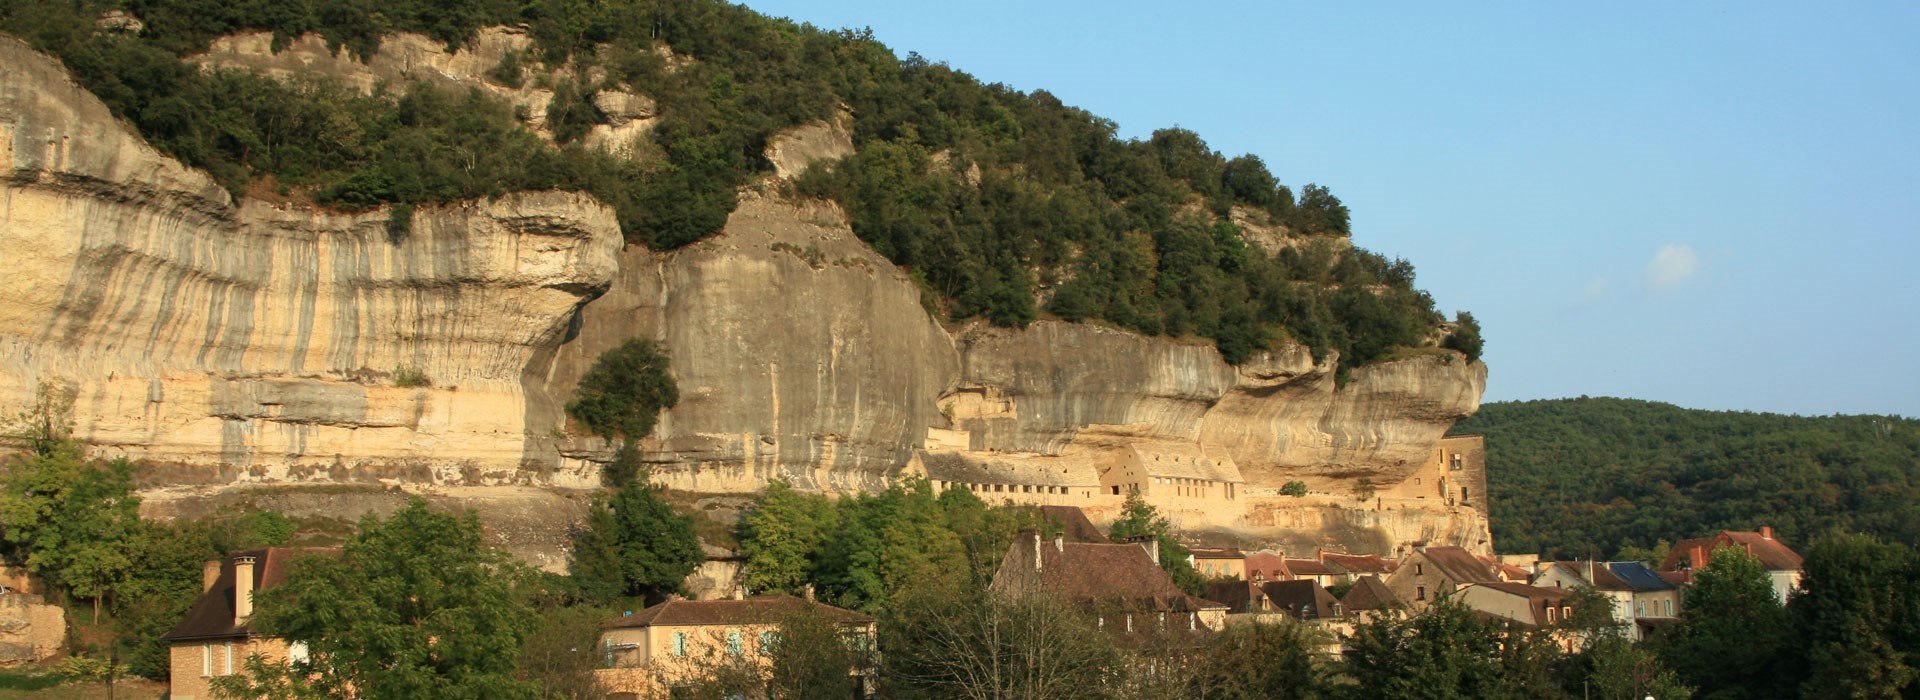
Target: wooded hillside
1006,205
1572,476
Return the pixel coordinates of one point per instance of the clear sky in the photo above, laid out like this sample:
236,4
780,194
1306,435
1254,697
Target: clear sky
1714,204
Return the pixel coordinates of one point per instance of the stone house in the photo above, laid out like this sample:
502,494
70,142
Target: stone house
1312,570
1173,473
1264,566
1353,566
1368,598
1432,573
665,646
1121,584
1784,566
215,638
1521,604
1219,563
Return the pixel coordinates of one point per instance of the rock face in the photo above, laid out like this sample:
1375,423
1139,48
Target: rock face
245,340
237,341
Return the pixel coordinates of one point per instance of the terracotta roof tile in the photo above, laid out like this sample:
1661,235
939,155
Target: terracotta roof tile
211,616
1369,593
1358,563
1772,553
1120,574
754,610
1459,564
1078,528
1308,567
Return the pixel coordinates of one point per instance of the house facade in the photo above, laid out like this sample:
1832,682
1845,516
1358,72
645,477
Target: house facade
1122,584
1220,563
1784,566
215,638
666,646
1431,573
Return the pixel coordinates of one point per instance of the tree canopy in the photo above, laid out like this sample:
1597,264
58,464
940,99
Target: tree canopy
1568,477
633,544
415,606
1008,205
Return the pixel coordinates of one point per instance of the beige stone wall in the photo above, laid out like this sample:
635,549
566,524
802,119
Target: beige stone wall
30,629
194,665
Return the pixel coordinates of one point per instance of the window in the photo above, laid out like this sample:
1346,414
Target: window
1116,490
679,644
297,652
733,642
1420,593
229,659
767,640
1549,614
1639,609
1669,608
206,659
1419,569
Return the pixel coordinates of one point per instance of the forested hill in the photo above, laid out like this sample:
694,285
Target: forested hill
1006,205
1612,474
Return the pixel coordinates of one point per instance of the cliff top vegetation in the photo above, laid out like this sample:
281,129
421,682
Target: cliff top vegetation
1006,205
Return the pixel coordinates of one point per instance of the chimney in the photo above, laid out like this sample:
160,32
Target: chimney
1036,551
1152,545
809,593
209,574
242,589
1060,542
1697,558
1766,531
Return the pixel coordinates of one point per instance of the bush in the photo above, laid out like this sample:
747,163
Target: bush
625,391
410,377
1295,489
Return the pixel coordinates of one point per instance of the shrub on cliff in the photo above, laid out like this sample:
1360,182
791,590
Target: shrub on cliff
624,392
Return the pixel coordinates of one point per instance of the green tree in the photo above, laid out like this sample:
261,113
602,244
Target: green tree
1295,489
1256,661
562,652
71,521
415,606
1730,638
812,658
1140,519
888,542
1450,651
780,536
943,644
633,543
623,393
1465,336
1857,620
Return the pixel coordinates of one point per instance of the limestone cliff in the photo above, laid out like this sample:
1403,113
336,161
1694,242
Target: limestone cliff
246,340
240,341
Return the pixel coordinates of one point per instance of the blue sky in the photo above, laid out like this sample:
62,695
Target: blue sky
1713,204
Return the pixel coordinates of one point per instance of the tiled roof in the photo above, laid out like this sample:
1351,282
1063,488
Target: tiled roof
1261,565
1103,574
1526,591
1459,564
211,616
1238,596
1369,593
1308,567
1603,577
973,468
1772,553
1358,563
1637,576
754,610
1304,600
1179,460
1075,523
1228,553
